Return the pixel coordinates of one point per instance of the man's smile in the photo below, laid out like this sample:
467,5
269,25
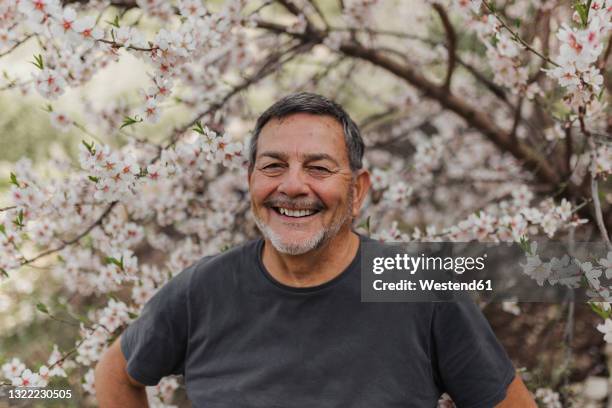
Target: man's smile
298,213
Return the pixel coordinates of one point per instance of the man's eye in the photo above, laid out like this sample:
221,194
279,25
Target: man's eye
319,169
272,166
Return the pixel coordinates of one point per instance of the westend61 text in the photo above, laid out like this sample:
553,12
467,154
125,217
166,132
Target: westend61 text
430,285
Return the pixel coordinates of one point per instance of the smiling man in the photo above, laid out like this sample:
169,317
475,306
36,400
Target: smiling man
279,322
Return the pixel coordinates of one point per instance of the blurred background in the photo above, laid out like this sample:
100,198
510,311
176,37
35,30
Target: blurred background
467,138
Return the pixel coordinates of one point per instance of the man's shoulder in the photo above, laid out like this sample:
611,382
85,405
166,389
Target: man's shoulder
234,258
371,246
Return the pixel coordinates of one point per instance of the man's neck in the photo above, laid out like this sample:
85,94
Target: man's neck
314,267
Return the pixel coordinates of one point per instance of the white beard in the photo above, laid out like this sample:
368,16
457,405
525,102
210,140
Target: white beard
316,241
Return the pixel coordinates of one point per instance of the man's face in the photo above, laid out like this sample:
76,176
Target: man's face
301,186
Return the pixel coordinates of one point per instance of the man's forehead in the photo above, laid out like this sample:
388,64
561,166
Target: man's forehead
304,120
302,156
303,133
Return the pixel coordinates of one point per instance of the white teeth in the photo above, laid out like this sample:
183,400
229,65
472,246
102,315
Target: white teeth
295,213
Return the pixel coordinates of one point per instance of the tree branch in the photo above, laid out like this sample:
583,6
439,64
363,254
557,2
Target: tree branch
319,12
74,240
17,44
472,116
516,37
598,214
451,39
569,149
264,71
532,161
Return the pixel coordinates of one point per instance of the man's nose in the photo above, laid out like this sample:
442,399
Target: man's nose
293,183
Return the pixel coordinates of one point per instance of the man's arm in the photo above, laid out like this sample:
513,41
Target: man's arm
114,386
517,395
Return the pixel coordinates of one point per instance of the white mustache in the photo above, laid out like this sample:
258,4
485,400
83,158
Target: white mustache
294,204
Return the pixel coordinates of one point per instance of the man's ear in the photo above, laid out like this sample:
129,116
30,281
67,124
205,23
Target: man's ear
361,187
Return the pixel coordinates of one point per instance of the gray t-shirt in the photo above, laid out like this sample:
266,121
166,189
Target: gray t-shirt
243,339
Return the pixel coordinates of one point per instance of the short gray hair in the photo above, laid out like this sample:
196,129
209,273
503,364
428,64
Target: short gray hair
318,105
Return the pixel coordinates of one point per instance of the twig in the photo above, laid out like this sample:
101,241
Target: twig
292,8
14,83
17,44
601,64
318,76
115,44
261,7
598,214
568,336
569,147
264,71
73,240
316,7
517,37
517,118
402,135
387,33
451,39
373,118
87,132
594,184
68,354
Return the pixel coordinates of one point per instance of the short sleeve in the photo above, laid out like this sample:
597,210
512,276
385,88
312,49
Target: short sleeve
469,362
155,344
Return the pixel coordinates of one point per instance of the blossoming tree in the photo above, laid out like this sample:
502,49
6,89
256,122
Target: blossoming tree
483,120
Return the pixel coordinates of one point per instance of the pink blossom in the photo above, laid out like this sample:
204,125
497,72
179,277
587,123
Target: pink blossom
86,27
60,121
49,83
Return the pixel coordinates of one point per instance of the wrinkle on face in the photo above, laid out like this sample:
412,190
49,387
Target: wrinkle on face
302,160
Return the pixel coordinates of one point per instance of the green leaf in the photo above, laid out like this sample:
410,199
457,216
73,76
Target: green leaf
89,146
604,314
114,261
38,62
3,272
82,319
14,180
132,315
93,178
42,308
524,244
583,12
18,221
365,224
115,22
128,121
3,229
585,282
198,128
494,40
